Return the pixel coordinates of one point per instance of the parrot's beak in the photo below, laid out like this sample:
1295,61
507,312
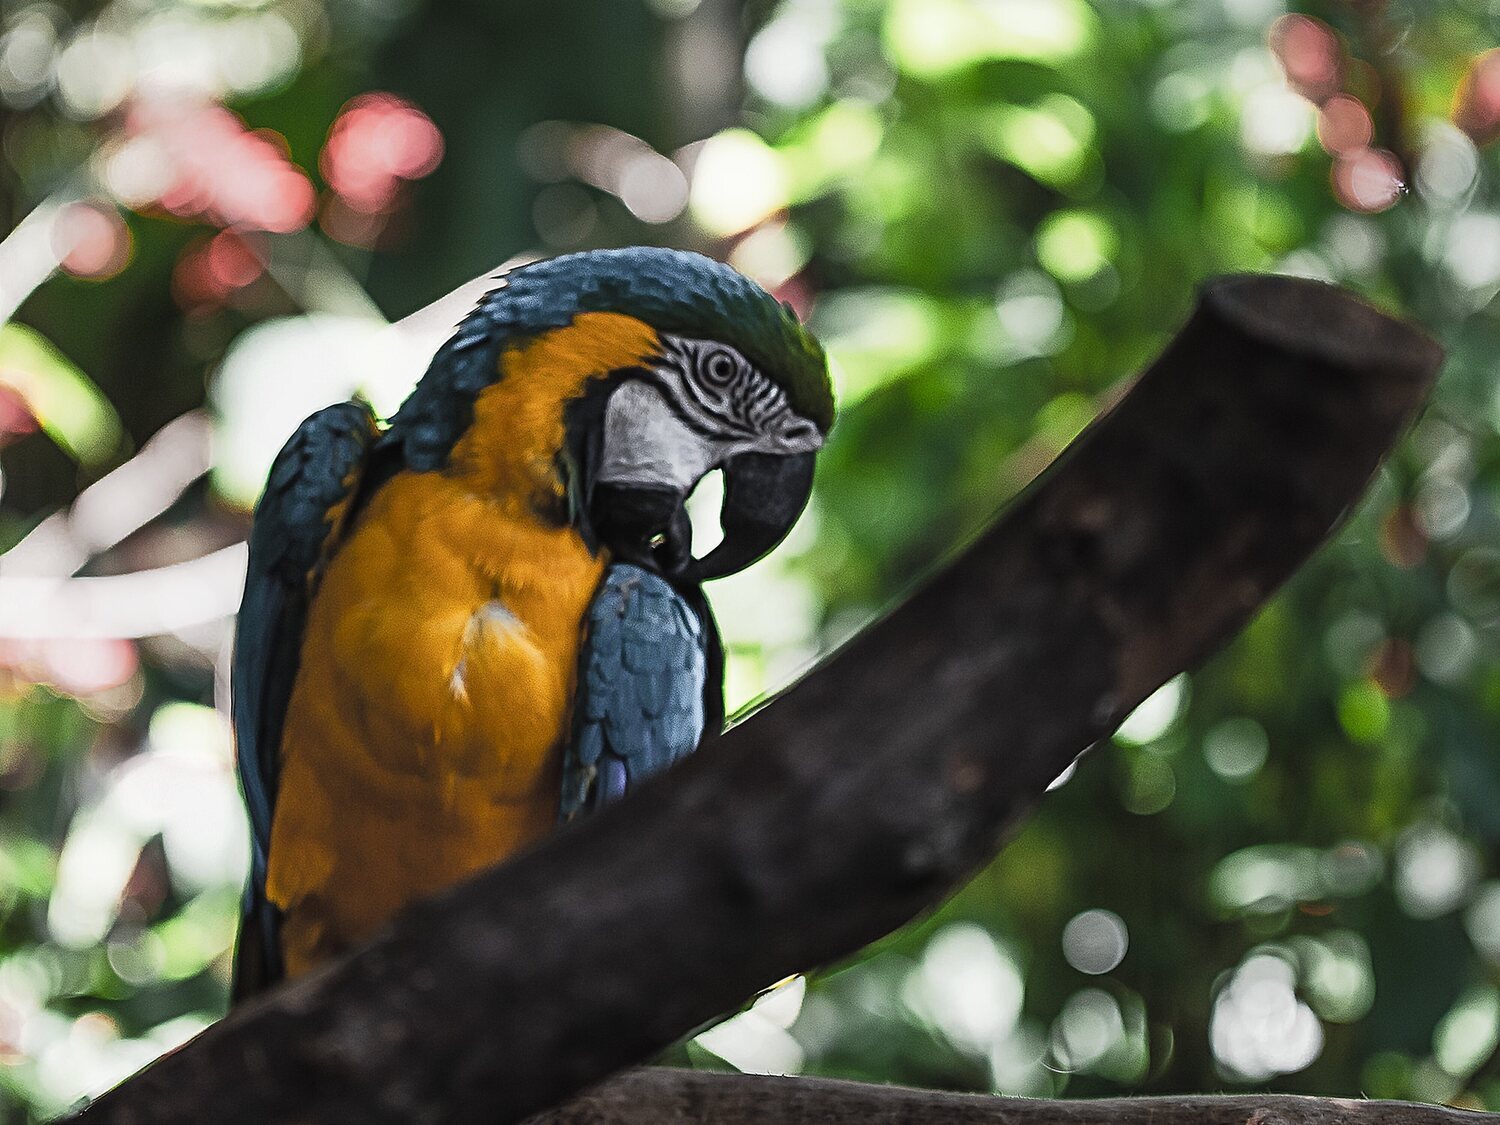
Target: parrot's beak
648,525
764,493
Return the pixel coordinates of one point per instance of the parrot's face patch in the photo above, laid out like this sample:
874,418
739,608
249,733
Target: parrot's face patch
697,407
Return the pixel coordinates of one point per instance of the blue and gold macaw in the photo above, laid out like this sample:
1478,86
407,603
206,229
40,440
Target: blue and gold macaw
485,617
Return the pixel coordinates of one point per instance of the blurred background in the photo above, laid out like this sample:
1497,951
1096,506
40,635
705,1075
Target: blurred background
222,214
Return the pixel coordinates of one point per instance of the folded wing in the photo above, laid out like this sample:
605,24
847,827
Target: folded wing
307,501
649,685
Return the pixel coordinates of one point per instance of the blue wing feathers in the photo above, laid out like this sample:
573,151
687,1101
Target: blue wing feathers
641,688
313,472
652,690
590,744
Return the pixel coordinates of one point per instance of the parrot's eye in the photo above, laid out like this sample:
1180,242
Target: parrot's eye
720,368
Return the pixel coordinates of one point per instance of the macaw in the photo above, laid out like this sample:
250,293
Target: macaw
485,617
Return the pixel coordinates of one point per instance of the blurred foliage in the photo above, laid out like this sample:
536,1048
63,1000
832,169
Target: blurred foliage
1284,873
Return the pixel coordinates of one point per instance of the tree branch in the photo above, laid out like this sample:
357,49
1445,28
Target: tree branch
660,1096
869,790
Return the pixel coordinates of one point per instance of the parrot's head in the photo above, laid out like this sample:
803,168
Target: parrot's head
698,405
712,397
733,383
684,367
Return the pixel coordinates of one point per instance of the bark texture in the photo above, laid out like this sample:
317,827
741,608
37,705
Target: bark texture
685,1097
866,792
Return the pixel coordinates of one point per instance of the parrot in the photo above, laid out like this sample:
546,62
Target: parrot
483,619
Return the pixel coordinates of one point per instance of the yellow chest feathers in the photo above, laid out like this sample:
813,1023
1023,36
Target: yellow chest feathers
453,595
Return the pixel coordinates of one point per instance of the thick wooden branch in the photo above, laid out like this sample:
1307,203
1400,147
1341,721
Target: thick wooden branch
869,790
686,1097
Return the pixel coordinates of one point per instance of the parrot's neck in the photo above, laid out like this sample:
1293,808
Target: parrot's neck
510,453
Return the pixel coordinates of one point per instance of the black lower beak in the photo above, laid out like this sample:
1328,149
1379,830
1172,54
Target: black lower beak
644,525
764,493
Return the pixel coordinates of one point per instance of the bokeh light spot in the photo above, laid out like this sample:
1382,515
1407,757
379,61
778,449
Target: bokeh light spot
232,262
1095,941
95,73
1181,101
1089,1025
1476,108
564,215
1266,879
1075,245
1150,784
1474,584
1275,121
1259,1027
784,62
968,987
1472,251
199,161
652,188
1448,164
1236,749
771,254
83,666
1309,53
28,53
1469,1033
1032,316
1402,540
1364,712
1350,869
1337,975
1344,124
1482,921
377,143
737,182
1446,648
1050,140
91,241
16,417
208,272
1435,871
1368,179
932,38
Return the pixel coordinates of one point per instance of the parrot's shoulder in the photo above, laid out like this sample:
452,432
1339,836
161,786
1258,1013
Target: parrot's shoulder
309,490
